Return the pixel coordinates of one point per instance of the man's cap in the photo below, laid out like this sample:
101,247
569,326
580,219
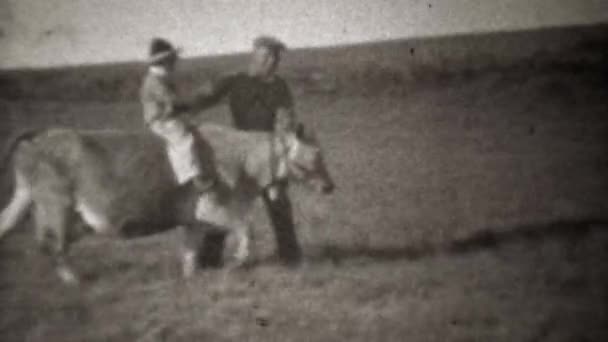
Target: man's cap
160,49
271,43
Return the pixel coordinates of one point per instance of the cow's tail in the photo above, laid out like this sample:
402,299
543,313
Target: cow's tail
21,198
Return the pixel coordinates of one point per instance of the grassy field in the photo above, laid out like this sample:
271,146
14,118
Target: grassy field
470,208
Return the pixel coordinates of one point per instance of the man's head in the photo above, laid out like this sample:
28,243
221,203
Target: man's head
163,54
266,56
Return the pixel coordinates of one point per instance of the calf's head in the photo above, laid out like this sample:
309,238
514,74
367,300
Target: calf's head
303,160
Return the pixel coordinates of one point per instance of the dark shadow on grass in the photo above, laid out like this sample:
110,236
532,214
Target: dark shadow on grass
336,253
485,239
570,230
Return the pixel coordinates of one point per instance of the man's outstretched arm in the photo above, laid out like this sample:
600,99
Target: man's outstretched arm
212,92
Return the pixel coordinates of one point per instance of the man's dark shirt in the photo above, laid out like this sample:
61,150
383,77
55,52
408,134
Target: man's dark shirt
253,101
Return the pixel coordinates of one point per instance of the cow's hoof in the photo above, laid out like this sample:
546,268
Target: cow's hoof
241,265
189,264
292,264
188,273
68,276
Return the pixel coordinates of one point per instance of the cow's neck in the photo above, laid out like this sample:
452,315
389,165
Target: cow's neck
268,163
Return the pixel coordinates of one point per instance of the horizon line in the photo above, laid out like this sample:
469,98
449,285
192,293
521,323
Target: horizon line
455,35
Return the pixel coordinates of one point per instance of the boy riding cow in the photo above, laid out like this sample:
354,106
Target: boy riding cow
162,110
259,100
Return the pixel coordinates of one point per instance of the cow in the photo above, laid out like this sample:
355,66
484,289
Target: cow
120,184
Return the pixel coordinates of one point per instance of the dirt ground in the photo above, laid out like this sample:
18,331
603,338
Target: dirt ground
474,210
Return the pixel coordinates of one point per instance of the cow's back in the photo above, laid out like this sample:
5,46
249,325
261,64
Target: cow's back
114,173
140,171
232,148
127,174
138,158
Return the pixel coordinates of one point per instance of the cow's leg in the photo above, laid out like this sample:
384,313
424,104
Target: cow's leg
192,236
54,215
189,262
244,238
53,219
233,218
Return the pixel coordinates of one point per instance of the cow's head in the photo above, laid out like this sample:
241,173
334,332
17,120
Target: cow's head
303,160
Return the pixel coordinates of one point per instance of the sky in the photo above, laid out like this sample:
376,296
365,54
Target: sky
41,33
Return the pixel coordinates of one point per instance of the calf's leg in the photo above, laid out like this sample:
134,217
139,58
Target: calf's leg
192,238
244,238
53,220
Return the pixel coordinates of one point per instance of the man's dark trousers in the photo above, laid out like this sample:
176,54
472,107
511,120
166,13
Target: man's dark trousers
281,216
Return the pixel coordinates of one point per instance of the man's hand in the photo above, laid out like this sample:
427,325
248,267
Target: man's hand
211,92
205,96
284,120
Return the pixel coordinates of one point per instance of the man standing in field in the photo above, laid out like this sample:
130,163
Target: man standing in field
260,100
161,109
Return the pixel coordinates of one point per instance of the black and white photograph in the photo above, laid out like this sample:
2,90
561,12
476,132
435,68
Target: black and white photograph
304,170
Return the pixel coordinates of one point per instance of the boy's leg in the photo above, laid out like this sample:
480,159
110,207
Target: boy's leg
191,158
202,156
